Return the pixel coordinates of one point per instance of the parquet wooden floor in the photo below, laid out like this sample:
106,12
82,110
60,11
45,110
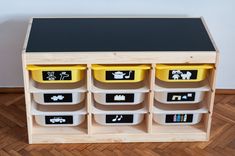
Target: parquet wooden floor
13,136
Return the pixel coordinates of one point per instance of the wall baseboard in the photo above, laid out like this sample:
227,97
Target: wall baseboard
16,90
19,90
225,91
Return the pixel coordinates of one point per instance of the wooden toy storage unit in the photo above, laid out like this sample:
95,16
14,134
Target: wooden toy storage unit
166,65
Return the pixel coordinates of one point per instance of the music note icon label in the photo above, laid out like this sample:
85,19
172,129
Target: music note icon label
119,118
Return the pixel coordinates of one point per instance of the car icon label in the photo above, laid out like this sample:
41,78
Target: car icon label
66,119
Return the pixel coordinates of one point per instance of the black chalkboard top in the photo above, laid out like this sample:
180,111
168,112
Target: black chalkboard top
118,34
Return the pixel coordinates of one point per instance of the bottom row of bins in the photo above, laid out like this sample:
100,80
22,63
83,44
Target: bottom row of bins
118,119
58,116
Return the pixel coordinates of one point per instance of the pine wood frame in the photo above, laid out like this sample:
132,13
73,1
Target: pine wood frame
92,134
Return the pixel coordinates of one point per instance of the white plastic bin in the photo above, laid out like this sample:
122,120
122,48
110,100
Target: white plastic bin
119,119
119,98
59,98
178,114
59,120
189,97
58,115
177,119
180,93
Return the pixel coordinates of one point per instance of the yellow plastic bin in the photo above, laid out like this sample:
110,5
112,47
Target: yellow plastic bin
182,73
57,74
120,73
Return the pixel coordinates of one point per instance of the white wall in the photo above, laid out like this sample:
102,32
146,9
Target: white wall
14,15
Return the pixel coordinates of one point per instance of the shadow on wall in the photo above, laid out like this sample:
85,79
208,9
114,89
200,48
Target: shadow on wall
12,35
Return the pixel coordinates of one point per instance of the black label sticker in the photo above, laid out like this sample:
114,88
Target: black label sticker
56,75
119,118
119,98
120,75
181,96
179,118
59,119
57,97
182,74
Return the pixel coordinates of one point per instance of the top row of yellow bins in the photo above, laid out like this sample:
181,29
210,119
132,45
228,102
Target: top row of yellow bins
57,74
118,73
182,73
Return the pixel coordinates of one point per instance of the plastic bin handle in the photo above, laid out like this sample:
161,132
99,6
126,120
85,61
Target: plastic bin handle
204,66
34,67
128,67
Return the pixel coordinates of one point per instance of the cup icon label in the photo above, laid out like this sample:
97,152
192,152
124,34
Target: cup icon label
56,75
66,119
58,97
181,96
179,118
118,118
119,98
182,75
120,75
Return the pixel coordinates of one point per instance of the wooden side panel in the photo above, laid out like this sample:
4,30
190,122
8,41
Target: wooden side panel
27,99
211,97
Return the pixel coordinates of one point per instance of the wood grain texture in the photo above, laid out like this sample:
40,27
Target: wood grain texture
198,57
13,136
17,90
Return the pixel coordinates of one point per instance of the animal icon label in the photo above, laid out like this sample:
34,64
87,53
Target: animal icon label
120,75
58,97
182,74
119,98
66,119
181,96
127,118
179,118
56,75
